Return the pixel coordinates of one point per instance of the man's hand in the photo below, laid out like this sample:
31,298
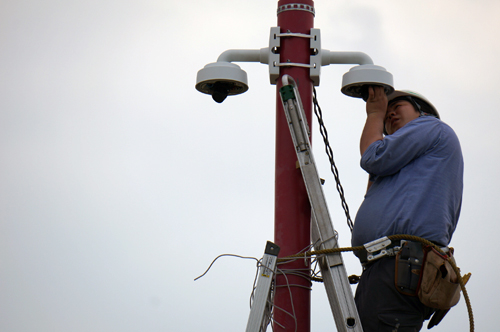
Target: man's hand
376,107
377,100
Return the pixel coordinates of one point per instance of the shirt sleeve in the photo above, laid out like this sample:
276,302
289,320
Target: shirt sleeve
388,156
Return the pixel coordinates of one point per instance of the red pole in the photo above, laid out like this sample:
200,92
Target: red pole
292,209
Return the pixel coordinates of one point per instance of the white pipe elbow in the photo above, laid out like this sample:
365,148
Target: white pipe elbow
261,56
360,58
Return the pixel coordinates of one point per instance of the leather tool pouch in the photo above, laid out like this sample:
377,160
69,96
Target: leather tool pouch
439,287
408,268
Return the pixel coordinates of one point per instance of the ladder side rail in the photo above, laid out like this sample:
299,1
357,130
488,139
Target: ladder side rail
332,268
267,271
338,290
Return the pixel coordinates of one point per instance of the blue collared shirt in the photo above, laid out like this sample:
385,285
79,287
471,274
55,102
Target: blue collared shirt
417,175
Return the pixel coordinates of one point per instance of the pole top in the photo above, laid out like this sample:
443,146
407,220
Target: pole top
296,6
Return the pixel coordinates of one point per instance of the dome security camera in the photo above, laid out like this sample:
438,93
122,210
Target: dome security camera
356,81
221,79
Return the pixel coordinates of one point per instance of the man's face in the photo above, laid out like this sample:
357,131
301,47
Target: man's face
398,114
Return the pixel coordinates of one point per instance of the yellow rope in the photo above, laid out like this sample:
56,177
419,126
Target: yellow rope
392,238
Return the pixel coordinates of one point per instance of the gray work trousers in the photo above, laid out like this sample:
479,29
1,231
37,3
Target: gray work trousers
381,307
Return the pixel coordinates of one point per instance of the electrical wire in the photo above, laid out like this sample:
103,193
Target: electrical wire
223,255
291,300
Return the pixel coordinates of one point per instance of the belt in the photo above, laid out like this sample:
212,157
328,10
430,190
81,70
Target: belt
382,247
377,249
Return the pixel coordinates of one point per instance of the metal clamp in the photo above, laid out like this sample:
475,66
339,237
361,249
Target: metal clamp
294,64
314,64
293,34
376,249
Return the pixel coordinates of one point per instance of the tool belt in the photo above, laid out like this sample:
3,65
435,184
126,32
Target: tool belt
425,272
439,286
409,262
420,270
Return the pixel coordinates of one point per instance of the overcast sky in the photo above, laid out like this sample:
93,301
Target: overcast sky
120,183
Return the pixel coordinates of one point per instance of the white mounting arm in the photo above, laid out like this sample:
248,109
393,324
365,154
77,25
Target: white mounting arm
329,58
261,55
226,78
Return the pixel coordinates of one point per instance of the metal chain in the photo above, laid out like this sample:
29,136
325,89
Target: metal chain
329,152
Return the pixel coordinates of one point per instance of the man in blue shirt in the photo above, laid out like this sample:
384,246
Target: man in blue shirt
415,187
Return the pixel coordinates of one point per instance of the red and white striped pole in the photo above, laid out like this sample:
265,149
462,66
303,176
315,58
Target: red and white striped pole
292,209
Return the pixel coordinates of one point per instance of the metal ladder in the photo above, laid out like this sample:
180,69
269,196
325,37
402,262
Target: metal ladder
257,321
323,234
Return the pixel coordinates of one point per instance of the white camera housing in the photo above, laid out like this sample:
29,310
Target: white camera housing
221,75
365,75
